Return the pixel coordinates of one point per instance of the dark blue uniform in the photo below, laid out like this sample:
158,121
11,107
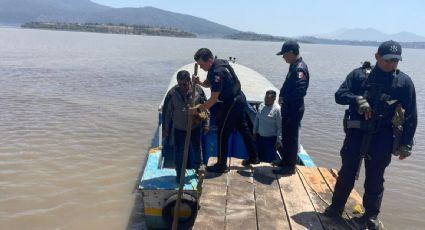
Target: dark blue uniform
230,109
293,91
383,91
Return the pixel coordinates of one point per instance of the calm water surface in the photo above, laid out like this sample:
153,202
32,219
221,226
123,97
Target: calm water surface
78,112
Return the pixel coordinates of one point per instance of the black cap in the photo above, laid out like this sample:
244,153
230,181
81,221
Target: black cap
390,50
289,45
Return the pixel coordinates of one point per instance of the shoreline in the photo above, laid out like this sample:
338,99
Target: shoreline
110,29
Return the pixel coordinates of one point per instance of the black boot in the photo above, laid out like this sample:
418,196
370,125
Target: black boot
217,168
372,222
277,162
333,211
250,161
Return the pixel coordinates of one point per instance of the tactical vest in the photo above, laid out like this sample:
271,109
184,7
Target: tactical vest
235,91
378,96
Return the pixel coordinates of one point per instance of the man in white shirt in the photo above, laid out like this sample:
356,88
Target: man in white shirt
267,128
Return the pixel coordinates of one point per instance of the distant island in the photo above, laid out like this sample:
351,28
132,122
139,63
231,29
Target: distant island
111,28
311,39
251,36
175,32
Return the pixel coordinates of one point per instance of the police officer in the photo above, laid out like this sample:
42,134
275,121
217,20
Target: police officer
291,99
373,96
227,95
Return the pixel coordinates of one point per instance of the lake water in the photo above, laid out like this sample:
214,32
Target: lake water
78,112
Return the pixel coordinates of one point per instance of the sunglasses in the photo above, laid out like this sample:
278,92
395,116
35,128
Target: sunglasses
392,60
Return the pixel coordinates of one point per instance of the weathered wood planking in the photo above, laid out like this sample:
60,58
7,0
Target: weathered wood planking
271,213
321,196
254,198
354,194
354,202
298,206
212,212
240,210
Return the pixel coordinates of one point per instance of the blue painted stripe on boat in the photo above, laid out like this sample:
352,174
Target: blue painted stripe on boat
305,158
155,222
155,178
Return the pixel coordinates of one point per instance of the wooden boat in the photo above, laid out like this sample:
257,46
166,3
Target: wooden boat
158,186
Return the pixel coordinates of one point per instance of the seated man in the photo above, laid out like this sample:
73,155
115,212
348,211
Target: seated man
176,106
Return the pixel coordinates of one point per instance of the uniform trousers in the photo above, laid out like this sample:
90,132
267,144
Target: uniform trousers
375,162
232,116
291,122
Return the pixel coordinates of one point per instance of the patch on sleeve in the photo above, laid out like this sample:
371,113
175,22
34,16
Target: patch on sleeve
217,79
301,75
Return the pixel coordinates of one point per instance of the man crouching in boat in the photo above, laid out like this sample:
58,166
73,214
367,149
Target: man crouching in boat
227,95
176,105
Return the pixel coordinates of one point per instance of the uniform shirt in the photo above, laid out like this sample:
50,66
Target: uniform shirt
268,121
223,82
175,110
404,92
295,86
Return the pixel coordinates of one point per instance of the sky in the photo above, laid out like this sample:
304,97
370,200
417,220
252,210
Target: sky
297,17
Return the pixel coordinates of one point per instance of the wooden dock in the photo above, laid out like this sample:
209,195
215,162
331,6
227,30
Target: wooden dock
256,198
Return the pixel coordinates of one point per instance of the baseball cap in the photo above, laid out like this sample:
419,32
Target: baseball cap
289,45
390,50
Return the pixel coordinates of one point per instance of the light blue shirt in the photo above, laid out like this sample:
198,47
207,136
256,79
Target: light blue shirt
268,122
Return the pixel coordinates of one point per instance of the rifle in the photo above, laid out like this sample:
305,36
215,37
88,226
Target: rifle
364,150
371,127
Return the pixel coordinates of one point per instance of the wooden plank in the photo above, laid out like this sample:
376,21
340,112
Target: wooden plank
354,194
354,202
321,197
298,206
240,210
268,201
212,212
353,207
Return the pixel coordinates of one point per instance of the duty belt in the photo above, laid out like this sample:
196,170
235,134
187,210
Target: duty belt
367,126
354,124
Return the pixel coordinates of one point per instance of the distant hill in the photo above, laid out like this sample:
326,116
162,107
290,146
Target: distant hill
370,34
158,17
311,39
17,12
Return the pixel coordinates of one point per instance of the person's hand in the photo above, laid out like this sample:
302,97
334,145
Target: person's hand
195,110
363,107
195,79
403,151
205,129
278,144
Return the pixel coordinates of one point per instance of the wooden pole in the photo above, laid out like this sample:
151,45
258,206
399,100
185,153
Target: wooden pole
185,156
